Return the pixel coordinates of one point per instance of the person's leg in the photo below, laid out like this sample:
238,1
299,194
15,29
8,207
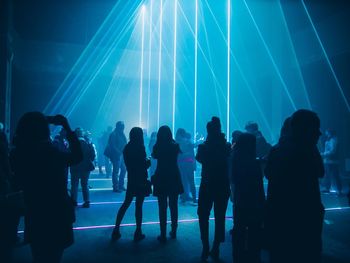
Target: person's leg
121,212
138,215
84,181
108,168
205,204
74,182
174,213
192,185
327,178
122,174
115,172
220,206
163,205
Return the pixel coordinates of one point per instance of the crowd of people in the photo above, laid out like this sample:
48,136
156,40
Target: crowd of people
235,169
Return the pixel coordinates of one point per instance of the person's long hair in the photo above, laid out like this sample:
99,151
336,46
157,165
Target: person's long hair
136,136
32,128
164,136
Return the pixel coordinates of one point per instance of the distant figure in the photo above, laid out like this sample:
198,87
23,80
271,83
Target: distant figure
214,189
262,146
151,143
102,159
167,180
294,209
249,198
40,168
331,162
114,151
81,171
187,166
138,186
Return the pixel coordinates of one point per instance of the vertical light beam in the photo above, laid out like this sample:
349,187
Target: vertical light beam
228,66
174,68
326,57
160,60
195,70
143,9
149,64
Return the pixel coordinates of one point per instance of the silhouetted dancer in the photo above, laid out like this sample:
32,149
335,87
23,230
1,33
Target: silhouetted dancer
114,151
249,198
262,146
214,189
81,171
331,163
138,186
294,208
166,180
41,170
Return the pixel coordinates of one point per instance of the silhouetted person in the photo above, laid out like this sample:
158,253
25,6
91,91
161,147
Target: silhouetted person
9,216
249,198
81,171
102,159
167,180
331,163
262,146
294,208
40,168
114,151
214,189
136,164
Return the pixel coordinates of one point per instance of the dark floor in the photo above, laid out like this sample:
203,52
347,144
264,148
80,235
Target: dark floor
94,225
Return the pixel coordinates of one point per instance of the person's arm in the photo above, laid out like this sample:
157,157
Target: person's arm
199,155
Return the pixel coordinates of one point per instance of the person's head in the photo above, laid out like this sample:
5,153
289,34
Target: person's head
305,127
79,132
136,135
180,134
235,136
32,128
214,127
245,146
164,135
330,133
119,126
251,127
286,130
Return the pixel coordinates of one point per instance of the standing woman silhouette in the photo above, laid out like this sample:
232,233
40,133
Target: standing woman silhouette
214,189
167,180
136,164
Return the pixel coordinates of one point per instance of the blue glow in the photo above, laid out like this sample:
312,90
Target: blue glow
142,54
159,61
195,71
228,67
149,64
326,57
174,69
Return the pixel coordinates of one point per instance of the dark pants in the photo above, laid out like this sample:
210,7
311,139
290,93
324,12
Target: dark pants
332,175
84,180
187,177
138,210
208,198
118,177
163,205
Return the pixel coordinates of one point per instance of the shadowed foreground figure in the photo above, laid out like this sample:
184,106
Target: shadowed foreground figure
167,180
136,164
214,189
249,198
40,168
294,208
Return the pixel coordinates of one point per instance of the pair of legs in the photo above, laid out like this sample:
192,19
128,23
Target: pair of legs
163,202
84,181
138,215
207,199
118,177
187,176
332,174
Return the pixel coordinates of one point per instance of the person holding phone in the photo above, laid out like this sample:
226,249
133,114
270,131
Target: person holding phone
40,168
